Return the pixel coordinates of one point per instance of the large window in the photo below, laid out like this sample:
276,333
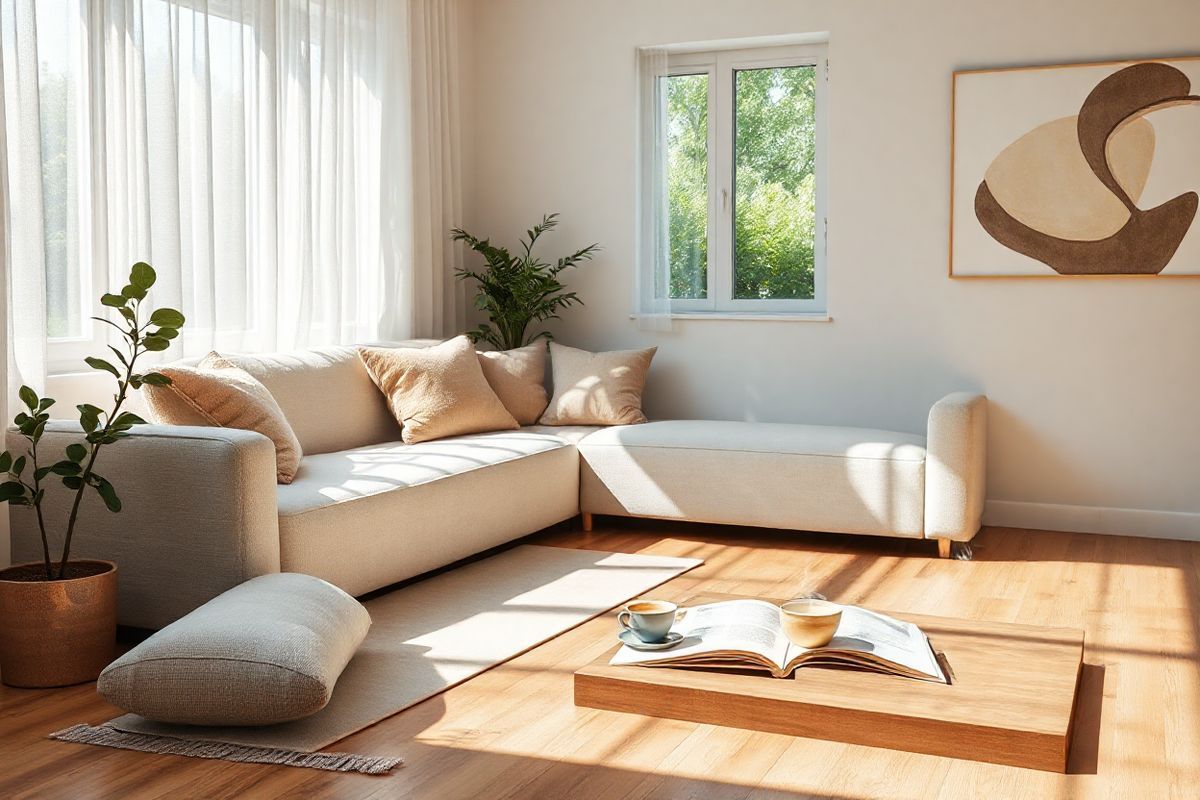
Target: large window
745,180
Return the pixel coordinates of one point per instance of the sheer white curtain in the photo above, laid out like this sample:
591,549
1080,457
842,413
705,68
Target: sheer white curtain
287,166
653,221
24,240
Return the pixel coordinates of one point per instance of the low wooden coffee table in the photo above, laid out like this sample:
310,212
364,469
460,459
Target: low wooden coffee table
1012,700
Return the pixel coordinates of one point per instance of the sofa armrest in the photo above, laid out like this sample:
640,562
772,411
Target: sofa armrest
955,466
199,515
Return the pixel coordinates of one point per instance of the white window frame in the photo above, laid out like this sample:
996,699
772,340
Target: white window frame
721,66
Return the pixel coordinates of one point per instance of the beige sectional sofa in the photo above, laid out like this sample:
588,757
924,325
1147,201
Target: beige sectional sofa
203,511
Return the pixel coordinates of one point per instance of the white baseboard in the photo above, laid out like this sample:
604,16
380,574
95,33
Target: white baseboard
1093,519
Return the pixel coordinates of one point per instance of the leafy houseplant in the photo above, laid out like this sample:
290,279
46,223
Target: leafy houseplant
518,291
29,630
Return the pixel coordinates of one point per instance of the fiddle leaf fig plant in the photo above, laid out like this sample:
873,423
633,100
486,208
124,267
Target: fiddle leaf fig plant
29,474
521,290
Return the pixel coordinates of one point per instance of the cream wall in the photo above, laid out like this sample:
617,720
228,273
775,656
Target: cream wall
1094,384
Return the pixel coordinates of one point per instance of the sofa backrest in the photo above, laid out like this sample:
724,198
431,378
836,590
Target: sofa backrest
327,395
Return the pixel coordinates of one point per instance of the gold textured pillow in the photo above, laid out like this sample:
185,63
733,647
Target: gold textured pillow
437,391
597,388
518,379
220,394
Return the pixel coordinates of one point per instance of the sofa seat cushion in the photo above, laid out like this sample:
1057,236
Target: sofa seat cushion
807,477
369,517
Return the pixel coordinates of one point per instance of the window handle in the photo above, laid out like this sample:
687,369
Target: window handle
724,199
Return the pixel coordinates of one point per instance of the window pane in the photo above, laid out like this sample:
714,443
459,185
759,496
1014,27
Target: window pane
774,183
687,165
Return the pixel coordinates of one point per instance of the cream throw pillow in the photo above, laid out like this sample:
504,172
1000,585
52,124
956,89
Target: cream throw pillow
597,388
518,379
217,393
437,391
267,651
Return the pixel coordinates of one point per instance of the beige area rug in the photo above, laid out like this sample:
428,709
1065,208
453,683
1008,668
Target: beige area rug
424,639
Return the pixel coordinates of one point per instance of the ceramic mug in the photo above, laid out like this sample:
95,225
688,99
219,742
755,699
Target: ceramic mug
648,620
810,623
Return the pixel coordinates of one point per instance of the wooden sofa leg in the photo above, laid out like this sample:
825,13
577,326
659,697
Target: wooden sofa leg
943,547
587,521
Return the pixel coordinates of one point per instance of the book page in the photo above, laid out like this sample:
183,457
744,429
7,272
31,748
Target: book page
735,625
879,637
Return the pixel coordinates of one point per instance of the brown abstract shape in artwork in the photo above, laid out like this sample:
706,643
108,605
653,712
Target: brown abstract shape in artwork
1148,240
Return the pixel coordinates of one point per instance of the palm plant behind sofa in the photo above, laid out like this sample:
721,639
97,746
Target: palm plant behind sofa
518,291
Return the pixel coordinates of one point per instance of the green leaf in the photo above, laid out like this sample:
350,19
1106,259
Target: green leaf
73,482
128,314
166,318
42,472
19,465
5,461
101,364
89,417
45,403
76,452
28,397
133,292
128,418
109,495
112,300
10,490
156,379
166,333
155,343
66,468
120,356
142,275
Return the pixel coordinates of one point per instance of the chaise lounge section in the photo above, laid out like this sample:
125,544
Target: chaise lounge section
798,477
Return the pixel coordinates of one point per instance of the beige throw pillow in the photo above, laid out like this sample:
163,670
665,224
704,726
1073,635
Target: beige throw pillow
518,379
597,388
220,394
437,391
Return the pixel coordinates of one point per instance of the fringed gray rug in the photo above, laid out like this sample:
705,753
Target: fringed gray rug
107,736
425,638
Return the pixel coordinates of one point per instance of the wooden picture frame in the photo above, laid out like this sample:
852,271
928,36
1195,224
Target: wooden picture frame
1036,193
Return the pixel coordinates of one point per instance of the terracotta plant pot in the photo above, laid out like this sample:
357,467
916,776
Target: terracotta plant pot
57,633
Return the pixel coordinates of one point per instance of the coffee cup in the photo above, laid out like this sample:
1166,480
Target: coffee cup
809,622
649,620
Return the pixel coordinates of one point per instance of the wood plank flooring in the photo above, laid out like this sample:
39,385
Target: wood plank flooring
514,732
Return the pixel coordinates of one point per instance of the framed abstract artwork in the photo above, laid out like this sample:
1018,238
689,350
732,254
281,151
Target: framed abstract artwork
1076,170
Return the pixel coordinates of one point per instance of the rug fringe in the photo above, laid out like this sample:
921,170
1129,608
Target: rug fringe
107,736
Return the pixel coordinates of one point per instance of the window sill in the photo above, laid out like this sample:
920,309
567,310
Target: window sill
746,316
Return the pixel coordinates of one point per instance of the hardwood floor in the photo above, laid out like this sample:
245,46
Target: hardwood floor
513,732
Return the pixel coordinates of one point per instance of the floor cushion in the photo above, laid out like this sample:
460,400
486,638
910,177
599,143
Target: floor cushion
269,650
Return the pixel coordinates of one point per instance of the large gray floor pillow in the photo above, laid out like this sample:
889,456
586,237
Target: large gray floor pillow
267,651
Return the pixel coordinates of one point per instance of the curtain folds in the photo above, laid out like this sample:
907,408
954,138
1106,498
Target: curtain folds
24,249
289,167
653,221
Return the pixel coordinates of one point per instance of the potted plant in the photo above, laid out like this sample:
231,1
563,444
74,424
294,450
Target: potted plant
58,617
518,291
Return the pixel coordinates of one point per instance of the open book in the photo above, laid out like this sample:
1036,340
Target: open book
748,634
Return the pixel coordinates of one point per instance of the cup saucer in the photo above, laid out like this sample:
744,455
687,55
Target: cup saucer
629,639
